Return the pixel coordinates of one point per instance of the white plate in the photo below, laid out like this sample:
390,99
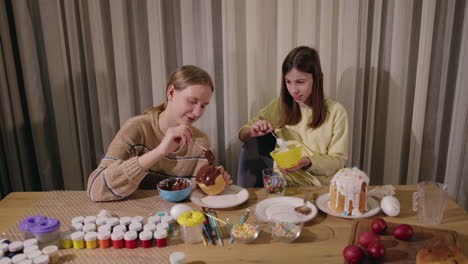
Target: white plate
231,196
282,209
324,200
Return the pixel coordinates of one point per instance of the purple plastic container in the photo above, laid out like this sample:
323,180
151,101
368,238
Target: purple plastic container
28,223
47,232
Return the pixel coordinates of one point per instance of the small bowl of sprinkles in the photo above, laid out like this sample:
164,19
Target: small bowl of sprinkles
285,231
244,233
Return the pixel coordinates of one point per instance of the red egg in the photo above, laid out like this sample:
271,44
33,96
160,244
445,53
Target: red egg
403,232
352,253
378,226
376,249
366,238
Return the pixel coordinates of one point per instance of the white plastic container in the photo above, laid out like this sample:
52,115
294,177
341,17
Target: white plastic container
34,254
137,219
15,247
18,258
47,232
154,219
91,219
32,248
42,259
29,242
52,252
78,220
89,227
191,226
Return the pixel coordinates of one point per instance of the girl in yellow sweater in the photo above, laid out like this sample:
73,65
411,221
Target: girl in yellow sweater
303,115
159,144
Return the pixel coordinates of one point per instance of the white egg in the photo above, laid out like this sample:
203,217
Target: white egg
390,205
177,209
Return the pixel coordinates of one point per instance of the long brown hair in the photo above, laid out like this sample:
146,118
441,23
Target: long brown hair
304,59
183,77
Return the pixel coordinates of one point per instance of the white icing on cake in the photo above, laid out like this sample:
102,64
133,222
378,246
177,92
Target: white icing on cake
348,183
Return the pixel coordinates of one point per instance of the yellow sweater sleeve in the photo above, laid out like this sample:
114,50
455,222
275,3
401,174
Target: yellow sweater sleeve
270,113
337,151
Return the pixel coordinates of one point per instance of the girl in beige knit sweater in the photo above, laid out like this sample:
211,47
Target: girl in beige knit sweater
158,144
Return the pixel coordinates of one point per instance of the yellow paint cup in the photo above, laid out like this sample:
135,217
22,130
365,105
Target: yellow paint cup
287,159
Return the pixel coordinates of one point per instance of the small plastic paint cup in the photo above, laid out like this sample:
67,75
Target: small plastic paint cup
170,221
15,247
28,223
89,227
137,219
47,232
4,248
18,258
105,227
32,248
154,220
162,226
76,227
52,252
120,228
146,239
135,226
29,242
113,221
78,240
105,213
161,214
104,238
34,254
126,220
42,259
90,219
177,258
5,260
161,238
91,240
77,220
149,227
117,239
101,220
65,240
26,261
130,239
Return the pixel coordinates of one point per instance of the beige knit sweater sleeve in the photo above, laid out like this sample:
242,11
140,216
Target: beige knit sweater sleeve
119,173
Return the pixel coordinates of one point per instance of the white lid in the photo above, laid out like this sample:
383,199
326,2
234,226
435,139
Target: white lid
167,219
104,228
120,228
150,227
105,213
113,221
89,227
78,235
137,219
30,249
177,258
104,234
42,259
76,227
154,219
5,260
117,235
18,258
146,235
160,234
33,254
126,220
130,235
101,220
91,236
135,226
162,226
78,220
15,246
30,242
66,235
26,261
90,219
4,247
50,250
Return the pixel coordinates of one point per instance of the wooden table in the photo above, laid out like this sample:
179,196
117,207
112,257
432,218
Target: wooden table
322,239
